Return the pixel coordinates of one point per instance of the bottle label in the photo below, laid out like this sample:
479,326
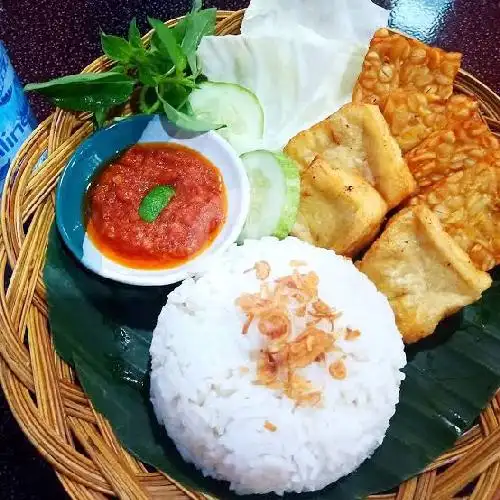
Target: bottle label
16,119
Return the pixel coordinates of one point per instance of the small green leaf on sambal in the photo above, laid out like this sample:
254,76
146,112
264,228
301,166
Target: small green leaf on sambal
153,204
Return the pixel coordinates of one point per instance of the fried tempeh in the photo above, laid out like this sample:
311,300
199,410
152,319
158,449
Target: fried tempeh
425,275
396,62
412,84
357,138
338,209
467,204
412,115
493,157
456,148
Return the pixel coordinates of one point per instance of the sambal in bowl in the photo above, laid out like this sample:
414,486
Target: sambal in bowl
145,203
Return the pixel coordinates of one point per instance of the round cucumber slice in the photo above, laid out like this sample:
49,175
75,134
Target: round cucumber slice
234,106
275,194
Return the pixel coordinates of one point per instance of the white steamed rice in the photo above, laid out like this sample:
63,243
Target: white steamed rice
215,414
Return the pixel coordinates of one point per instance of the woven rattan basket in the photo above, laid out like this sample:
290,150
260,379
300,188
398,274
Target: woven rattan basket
41,389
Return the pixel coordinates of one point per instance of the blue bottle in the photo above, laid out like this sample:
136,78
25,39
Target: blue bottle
16,119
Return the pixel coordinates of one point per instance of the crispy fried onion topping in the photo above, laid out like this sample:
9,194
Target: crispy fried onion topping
284,353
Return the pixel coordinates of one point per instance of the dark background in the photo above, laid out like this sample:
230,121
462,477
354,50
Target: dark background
48,38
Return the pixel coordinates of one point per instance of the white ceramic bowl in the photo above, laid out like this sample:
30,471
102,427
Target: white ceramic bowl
153,129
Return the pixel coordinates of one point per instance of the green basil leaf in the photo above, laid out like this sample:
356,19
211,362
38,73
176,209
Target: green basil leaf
153,204
176,94
168,41
185,121
187,108
121,68
86,92
199,24
148,100
179,30
116,48
158,63
100,116
147,74
82,78
134,35
155,42
197,5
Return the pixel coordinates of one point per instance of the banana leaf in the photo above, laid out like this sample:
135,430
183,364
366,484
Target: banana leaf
104,329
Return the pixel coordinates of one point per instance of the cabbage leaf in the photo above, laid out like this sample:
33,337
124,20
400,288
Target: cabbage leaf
298,82
300,57
352,21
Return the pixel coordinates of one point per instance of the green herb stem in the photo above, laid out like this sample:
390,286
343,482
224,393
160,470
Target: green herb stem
143,104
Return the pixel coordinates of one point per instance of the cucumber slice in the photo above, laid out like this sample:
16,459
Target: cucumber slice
234,106
275,194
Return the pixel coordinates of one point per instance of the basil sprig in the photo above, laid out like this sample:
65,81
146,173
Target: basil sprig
165,73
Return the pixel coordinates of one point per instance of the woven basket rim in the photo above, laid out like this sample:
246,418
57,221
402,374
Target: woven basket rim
51,407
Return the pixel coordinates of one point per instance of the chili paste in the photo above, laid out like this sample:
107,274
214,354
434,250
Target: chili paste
184,228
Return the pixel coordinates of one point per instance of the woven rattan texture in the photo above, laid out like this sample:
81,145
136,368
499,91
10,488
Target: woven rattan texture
51,407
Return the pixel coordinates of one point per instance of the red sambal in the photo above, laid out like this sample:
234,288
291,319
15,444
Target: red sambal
184,228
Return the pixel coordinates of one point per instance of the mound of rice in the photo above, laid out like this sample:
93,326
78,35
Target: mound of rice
203,379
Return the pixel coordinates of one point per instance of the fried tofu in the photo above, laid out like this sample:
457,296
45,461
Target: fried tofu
422,271
338,209
394,62
356,138
447,151
467,203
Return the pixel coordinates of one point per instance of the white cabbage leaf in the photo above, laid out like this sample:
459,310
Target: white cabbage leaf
300,57
297,81
347,20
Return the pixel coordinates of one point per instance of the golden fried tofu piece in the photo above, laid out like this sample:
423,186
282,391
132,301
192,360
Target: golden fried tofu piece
394,62
357,138
467,203
338,209
456,148
422,271
412,115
